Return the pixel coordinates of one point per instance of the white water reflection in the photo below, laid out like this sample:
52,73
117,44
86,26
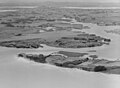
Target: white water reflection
8,10
19,7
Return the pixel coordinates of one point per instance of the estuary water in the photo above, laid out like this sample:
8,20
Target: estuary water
19,73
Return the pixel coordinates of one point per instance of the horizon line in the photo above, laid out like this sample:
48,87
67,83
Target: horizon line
60,2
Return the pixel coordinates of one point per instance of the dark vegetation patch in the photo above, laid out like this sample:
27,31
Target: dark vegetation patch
100,68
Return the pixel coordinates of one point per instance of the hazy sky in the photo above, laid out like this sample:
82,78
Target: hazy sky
116,1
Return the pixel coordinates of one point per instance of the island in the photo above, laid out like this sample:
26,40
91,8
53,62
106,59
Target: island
82,40
82,61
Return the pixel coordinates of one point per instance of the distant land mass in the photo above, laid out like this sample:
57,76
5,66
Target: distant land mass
60,4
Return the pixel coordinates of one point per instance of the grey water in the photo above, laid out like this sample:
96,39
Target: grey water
19,73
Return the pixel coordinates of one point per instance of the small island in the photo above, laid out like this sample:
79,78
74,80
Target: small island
82,40
82,61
